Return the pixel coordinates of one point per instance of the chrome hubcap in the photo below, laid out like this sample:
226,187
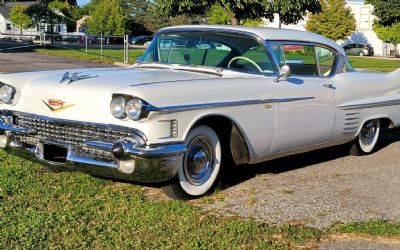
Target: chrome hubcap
198,161
368,132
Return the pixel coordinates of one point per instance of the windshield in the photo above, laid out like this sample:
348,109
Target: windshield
213,49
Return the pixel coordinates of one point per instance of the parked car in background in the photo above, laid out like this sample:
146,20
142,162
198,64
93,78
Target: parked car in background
48,36
359,49
90,39
140,40
200,99
72,38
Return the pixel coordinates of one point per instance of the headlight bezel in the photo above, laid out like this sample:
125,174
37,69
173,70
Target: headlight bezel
114,101
11,93
142,111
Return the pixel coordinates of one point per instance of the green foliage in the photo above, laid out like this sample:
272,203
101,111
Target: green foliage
335,21
389,34
290,11
109,17
387,11
154,19
20,17
219,15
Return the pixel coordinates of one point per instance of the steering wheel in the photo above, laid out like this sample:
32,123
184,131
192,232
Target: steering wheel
246,59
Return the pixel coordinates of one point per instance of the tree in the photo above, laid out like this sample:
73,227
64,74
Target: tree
389,34
219,15
335,21
49,11
20,18
108,17
387,11
290,11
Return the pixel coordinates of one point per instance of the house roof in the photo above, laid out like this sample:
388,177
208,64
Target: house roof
5,10
270,34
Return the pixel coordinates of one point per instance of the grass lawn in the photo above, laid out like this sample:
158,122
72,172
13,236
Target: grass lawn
43,210
93,55
374,64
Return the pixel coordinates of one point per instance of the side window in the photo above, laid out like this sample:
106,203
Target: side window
326,60
347,67
300,58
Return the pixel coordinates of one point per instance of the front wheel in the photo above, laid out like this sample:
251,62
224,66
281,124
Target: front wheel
200,166
367,138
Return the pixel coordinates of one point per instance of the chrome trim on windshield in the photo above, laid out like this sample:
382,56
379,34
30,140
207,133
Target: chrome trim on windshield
180,108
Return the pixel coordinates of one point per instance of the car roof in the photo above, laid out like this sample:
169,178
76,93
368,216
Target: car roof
267,34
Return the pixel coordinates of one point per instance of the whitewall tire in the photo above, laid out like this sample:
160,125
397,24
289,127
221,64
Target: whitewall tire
200,166
367,138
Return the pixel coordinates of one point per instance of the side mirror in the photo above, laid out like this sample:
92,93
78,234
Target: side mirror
285,72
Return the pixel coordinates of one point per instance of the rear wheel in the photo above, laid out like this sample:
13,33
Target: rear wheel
200,165
367,138
361,54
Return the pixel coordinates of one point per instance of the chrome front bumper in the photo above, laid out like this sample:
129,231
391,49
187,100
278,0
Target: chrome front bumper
130,161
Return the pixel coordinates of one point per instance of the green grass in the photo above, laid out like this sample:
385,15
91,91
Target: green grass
93,55
42,210
374,64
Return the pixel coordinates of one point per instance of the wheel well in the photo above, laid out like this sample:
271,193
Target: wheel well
233,144
386,123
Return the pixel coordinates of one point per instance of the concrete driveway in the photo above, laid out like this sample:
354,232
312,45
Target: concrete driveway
31,61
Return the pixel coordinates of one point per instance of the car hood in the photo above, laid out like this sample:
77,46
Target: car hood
88,97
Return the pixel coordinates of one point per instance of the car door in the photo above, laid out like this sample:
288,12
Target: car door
305,102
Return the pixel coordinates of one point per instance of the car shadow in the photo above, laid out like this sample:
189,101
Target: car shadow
238,174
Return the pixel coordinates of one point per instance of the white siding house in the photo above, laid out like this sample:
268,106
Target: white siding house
8,29
363,34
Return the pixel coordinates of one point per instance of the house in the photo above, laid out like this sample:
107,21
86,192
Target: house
8,29
81,24
363,34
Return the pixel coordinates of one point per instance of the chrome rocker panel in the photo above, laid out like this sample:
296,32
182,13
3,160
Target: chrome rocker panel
148,164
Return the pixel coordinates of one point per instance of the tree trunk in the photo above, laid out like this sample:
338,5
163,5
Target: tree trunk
234,21
20,33
280,21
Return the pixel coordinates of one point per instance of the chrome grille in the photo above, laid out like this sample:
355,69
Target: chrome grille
74,134
69,132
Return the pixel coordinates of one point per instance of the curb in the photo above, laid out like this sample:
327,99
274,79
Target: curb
120,64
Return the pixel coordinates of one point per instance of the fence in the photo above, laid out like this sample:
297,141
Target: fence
100,46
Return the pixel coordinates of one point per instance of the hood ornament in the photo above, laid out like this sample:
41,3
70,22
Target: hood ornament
74,77
56,105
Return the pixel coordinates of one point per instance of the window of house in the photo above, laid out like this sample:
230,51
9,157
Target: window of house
365,18
8,26
42,27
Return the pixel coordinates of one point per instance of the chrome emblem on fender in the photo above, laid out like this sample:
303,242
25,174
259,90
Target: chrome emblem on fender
56,105
74,77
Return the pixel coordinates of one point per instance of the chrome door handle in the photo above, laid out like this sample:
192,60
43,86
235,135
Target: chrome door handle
330,86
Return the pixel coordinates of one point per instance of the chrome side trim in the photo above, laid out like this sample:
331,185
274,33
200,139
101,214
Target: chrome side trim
281,100
370,105
180,108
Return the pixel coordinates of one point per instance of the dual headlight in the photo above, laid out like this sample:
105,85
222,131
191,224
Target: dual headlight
7,93
132,107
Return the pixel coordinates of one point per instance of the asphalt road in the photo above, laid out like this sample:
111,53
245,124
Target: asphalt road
31,61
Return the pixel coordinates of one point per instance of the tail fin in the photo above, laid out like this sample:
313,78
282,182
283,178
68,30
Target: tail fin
395,75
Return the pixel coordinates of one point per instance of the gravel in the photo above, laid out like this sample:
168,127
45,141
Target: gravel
319,188
358,245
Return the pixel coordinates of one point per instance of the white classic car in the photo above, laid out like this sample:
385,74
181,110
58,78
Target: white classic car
199,99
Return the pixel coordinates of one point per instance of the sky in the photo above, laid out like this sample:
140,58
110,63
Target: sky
83,2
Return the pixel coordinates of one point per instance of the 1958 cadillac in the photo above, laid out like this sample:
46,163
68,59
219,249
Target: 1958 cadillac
199,98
